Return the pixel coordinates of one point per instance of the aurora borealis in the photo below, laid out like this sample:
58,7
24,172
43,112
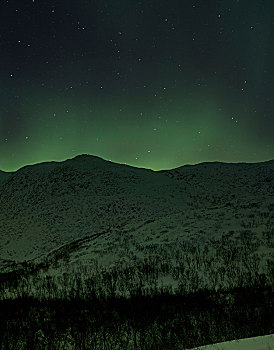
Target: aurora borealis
154,84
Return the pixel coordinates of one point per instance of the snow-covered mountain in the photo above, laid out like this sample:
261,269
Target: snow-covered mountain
100,206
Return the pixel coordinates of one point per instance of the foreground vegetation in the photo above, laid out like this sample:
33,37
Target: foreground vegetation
166,300
159,322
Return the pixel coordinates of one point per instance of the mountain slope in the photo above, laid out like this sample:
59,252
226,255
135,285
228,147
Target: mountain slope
49,205
4,176
45,205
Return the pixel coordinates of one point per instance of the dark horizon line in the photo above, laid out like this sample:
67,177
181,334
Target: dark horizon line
107,160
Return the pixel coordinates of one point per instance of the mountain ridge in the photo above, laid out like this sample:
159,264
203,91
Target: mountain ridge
51,204
85,156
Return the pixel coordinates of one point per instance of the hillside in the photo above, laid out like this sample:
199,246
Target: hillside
4,176
96,254
45,206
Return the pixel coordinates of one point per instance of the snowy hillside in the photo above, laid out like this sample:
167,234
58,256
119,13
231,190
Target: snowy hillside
95,253
48,205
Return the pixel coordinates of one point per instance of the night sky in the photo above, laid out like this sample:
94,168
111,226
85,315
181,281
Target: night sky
154,84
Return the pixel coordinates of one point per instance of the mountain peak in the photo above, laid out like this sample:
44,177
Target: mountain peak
82,156
85,156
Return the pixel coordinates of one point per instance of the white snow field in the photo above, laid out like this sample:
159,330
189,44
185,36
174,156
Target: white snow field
265,342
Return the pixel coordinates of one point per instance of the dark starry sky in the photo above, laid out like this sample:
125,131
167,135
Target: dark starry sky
153,84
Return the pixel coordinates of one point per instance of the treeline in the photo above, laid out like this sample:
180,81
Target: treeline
221,267
175,299
163,321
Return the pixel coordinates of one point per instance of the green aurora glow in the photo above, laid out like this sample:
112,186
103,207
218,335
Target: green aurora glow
175,100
